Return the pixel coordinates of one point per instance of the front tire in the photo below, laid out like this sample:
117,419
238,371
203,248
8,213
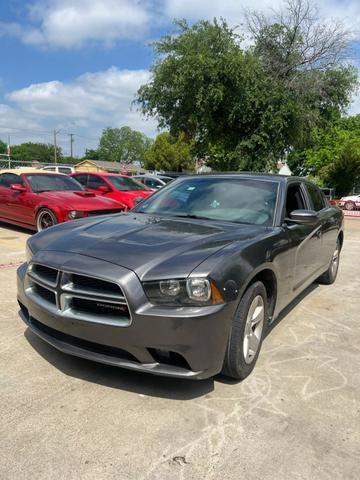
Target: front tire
247,333
330,275
45,219
350,206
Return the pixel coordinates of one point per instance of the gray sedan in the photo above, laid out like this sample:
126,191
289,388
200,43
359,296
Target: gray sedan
188,282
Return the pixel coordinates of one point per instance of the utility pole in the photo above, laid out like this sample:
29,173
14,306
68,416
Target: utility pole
71,135
55,146
9,151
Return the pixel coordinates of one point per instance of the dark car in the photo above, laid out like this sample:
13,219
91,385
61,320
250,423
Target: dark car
187,283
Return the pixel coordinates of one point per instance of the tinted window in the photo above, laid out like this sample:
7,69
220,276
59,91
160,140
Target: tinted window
51,169
232,199
43,182
81,178
95,182
153,183
294,199
316,197
124,183
7,179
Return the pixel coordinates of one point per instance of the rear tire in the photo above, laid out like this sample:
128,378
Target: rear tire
247,333
330,275
45,218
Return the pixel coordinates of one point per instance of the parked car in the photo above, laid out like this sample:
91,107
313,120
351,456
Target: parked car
37,200
115,186
59,169
351,202
188,282
153,181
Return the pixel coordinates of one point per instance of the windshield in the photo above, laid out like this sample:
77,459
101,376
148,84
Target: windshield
231,199
125,183
166,179
50,182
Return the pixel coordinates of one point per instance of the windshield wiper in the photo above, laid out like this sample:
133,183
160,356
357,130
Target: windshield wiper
190,215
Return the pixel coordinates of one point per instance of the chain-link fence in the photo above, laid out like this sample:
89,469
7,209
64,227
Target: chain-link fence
5,163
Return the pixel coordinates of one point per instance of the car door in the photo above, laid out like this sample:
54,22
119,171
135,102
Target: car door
94,182
304,239
15,205
329,226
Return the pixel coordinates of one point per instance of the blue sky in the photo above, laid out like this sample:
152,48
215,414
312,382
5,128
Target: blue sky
75,65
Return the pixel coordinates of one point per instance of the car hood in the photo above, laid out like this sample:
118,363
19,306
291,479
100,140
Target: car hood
78,200
152,247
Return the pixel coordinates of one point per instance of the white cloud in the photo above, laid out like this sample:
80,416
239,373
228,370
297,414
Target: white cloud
76,23
233,10
85,106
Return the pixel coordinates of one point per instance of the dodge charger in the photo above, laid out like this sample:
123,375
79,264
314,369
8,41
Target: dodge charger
188,282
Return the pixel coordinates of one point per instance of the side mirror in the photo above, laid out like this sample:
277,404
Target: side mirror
303,216
103,189
17,187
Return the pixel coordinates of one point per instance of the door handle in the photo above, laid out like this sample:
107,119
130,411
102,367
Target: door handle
318,234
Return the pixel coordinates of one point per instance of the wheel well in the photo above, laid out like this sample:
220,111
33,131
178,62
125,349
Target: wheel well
341,239
268,278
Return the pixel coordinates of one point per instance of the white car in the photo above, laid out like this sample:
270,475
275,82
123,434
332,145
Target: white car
59,169
352,202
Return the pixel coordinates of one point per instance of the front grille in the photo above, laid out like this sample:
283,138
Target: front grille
78,296
94,213
45,294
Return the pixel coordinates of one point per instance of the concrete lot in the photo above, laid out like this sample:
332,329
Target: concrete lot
296,417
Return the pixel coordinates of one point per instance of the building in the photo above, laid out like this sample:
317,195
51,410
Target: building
109,167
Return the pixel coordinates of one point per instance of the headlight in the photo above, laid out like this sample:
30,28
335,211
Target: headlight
28,253
75,214
186,292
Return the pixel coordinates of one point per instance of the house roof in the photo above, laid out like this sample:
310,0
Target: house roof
111,165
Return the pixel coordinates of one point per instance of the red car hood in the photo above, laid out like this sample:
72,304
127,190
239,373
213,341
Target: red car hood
77,200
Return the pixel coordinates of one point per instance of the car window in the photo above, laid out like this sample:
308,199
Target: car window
51,169
232,199
316,197
49,182
64,170
294,199
95,182
125,184
152,183
81,178
7,179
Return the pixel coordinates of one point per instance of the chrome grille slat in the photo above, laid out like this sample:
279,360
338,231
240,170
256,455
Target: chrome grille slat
100,305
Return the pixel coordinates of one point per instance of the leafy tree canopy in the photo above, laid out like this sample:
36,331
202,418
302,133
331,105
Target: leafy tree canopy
169,154
244,108
123,145
333,158
41,152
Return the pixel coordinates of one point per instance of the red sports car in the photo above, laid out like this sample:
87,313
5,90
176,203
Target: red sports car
37,200
112,185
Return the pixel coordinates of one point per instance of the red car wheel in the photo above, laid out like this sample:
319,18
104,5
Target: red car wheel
45,219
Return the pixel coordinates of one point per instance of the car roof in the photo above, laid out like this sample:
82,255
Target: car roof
20,171
274,177
100,173
145,175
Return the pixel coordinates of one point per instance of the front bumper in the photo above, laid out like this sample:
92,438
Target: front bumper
196,337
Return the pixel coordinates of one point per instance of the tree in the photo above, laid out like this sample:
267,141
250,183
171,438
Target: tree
122,145
40,152
3,147
333,158
241,111
343,172
169,154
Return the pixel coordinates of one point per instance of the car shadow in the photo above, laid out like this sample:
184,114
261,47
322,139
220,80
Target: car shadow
16,228
120,378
